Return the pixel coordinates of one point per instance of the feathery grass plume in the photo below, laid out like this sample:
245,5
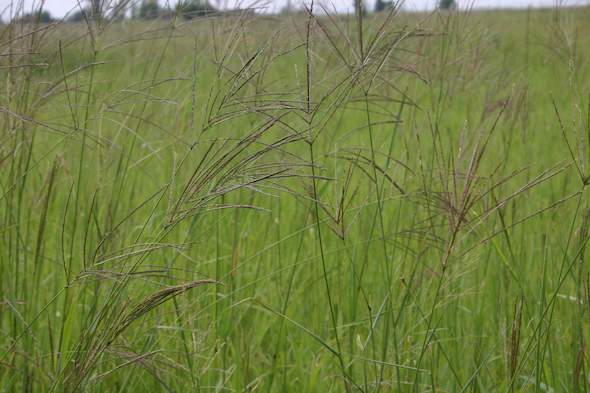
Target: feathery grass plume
80,367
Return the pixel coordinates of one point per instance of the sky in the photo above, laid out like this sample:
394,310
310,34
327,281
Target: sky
59,8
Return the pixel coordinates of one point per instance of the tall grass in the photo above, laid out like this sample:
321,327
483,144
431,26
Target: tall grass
305,203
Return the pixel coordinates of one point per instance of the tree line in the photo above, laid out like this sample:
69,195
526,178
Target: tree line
145,9
188,9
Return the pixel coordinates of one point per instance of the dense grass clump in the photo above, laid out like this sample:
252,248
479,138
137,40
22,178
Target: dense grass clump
304,203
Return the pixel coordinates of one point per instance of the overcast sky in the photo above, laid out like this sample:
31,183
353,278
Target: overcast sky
59,8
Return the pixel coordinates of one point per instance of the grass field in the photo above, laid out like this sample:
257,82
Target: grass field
306,203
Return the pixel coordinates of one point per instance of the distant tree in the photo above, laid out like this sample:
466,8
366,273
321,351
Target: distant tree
149,9
45,17
447,5
78,16
189,9
37,17
382,5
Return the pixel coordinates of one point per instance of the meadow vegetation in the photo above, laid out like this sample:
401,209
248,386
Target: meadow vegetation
296,203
